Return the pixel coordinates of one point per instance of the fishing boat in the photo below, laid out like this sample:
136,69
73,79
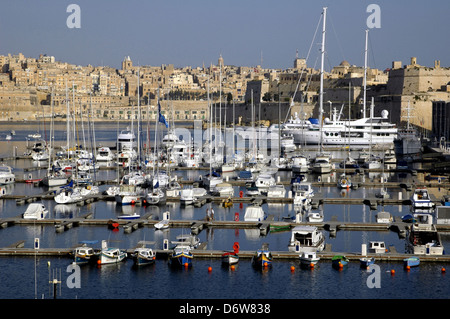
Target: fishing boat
308,258
365,262
143,256
421,199
35,211
262,258
111,255
377,247
339,261
411,262
181,256
231,257
85,254
6,175
306,238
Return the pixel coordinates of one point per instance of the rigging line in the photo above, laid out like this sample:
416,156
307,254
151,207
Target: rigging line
303,69
338,41
371,51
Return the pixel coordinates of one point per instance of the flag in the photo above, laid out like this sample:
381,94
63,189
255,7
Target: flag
162,119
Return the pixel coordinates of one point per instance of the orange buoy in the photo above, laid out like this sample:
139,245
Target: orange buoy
408,267
186,265
292,268
392,272
265,264
99,262
209,269
443,269
311,265
232,267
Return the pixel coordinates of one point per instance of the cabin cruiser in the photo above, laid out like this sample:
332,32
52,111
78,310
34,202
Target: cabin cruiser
6,175
306,238
104,154
276,191
264,181
421,199
300,164
423,237
322,163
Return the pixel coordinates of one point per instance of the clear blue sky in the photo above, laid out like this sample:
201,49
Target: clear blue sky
193,32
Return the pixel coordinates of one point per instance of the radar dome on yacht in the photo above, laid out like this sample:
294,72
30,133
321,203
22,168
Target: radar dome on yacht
384,114
327,120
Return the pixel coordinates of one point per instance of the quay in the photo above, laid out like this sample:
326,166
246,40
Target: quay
389,256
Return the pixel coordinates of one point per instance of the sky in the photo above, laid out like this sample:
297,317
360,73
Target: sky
244,32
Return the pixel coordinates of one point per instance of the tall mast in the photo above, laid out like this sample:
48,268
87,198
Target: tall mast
365,76
321,73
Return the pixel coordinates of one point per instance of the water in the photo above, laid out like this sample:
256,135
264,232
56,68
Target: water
28,277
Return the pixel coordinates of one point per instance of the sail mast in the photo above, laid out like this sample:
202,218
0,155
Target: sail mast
365,75
321,74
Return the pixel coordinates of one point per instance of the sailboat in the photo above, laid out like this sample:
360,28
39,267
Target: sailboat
322,162
344,181
54,176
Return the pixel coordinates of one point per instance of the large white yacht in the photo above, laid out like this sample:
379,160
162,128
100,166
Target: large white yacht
363,131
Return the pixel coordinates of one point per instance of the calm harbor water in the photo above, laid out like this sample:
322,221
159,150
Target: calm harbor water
28,277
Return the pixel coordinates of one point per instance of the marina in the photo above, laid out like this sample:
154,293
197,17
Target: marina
346,218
